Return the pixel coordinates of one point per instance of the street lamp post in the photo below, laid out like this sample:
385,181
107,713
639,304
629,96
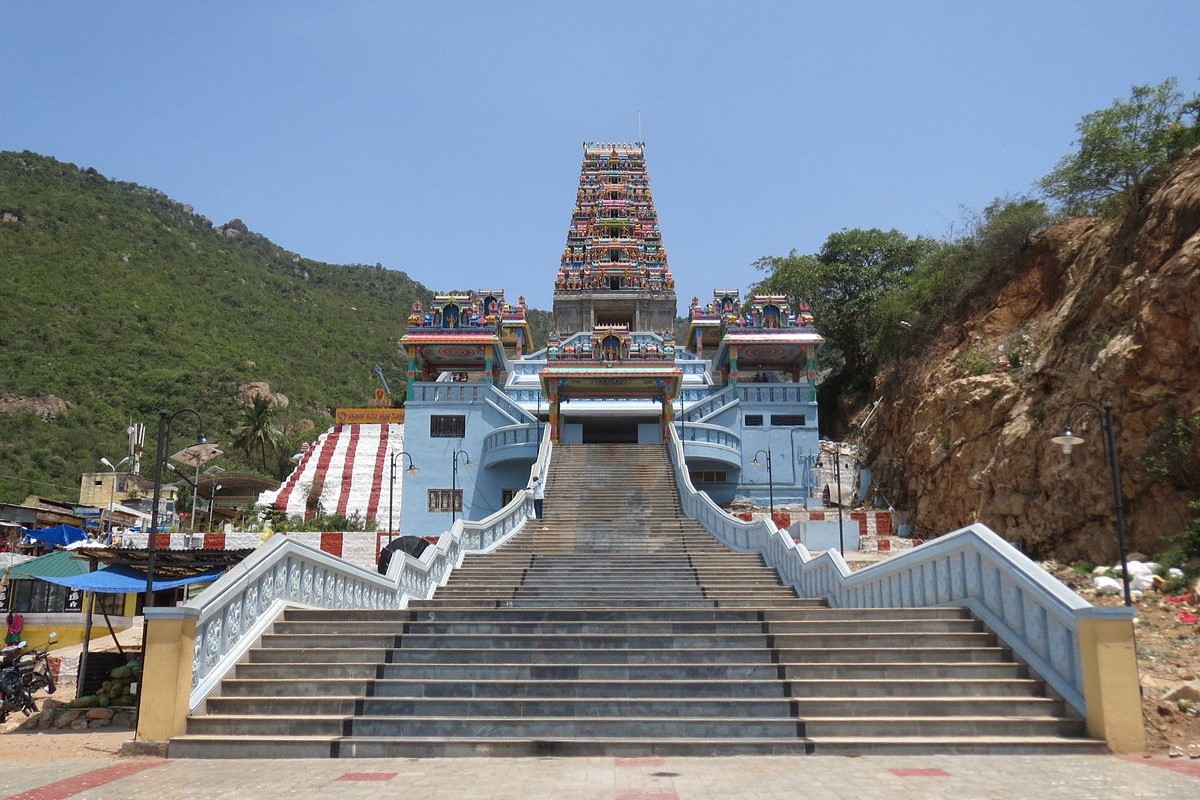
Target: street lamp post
412,470
112,489
454,482
1068,440
837,478
770,480
212,500
201,446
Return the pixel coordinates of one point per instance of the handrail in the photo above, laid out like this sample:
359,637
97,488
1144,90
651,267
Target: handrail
503,401
241,605
510,436
703,433
712,403
776,393
1021,603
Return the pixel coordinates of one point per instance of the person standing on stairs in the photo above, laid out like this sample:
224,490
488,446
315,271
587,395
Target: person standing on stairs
539,495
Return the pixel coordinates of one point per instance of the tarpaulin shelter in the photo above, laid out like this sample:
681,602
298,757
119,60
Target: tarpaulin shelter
119,579
61,535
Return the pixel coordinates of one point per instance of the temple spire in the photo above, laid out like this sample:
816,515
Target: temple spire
614,268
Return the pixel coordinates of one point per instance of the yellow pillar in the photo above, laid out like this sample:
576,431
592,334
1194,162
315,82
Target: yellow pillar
1111,689
166,678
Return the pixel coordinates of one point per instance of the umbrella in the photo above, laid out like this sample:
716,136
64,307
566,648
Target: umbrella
413,545
61,535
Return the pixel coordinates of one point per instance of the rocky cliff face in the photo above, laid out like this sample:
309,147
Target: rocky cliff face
1100,310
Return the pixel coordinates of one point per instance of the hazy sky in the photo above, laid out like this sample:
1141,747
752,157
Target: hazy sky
444,138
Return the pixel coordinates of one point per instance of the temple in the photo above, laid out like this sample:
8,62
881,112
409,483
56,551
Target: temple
739,391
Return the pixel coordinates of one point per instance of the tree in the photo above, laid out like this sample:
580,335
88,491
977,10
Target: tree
844,283
257,430
1121,147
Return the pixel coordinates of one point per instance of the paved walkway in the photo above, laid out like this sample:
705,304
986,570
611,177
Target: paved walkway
809,778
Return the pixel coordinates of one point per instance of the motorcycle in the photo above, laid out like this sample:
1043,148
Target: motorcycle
23,672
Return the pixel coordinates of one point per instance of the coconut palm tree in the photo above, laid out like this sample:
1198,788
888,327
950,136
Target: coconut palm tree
257,431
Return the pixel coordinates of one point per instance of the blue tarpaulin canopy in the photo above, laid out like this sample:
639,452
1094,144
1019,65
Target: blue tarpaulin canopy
61,535
119,579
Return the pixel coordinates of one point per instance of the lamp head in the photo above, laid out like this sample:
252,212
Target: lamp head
412,469
1067,440
754,463
106,463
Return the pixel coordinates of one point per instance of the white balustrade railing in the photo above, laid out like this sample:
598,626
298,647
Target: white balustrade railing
1026,607
776,393
703,433
240,606
703,409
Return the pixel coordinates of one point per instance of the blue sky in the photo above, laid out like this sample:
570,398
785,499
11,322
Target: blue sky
444,138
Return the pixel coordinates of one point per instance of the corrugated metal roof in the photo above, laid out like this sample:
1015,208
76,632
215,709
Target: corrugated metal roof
60,564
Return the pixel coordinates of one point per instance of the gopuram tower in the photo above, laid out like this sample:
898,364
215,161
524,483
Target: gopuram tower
614,268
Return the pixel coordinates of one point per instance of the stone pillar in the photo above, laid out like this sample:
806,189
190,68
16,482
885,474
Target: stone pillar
167,675
733,368
488,367
553,389
668,414
411,372
1111,689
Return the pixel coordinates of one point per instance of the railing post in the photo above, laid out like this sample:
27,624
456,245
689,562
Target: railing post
167,674
1111,689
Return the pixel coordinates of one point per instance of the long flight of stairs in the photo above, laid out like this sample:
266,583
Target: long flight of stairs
617,626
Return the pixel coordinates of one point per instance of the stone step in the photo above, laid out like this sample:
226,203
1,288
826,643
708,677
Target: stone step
915,687
957,745
480,687
578,628
881,640
632,614
869,655
904,670
522,726
538,727
487,707
939,707
589,641
817,727
562,655
468,673
330,655
273,747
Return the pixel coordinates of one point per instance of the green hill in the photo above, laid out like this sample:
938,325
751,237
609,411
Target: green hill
120,301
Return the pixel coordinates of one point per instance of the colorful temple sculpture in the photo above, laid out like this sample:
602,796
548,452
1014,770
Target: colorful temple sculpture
739,392
614,268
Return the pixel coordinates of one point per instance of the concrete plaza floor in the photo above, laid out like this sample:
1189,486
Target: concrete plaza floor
795,778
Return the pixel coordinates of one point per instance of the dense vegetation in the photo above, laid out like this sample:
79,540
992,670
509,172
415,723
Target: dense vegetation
878,296
122,302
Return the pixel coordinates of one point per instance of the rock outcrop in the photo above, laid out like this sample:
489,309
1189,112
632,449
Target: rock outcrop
248,391
1100,311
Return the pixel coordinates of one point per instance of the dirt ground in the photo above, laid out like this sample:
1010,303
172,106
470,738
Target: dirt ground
1168,651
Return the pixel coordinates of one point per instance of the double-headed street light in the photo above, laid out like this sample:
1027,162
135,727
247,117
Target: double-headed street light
1068,440
202,450
412,470
770,480
454,482
113,488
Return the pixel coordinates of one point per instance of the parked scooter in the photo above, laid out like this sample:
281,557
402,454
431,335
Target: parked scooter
23,672
34,665
14,695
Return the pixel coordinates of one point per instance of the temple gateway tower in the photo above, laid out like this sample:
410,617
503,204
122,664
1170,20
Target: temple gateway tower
614,268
